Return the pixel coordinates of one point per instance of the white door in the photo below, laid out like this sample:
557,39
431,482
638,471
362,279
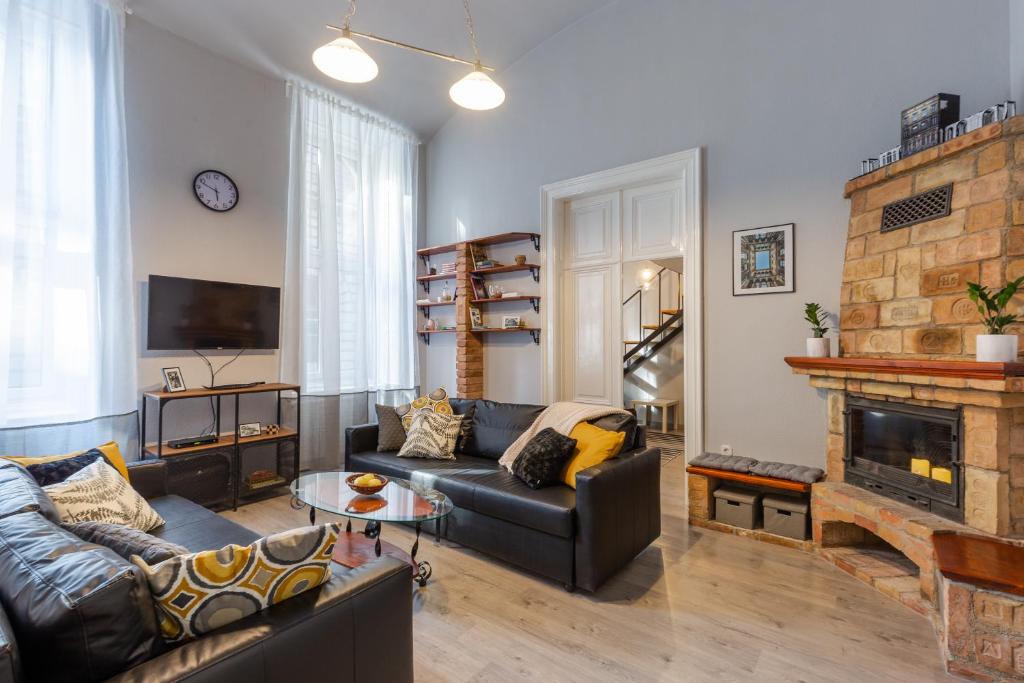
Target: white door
592,361
592,230
652,221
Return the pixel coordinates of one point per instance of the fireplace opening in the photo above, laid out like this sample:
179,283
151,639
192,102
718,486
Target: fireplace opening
906,452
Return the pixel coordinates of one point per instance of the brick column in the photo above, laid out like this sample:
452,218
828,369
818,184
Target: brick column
469,350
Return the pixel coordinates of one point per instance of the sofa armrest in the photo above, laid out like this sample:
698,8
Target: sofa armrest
148,477
359,440
618,511
356,627
10,661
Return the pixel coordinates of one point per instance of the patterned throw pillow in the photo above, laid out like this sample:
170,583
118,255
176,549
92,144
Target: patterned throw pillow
543,458
56,471
432,435
98,493
390,432
434,402
126,541
198,593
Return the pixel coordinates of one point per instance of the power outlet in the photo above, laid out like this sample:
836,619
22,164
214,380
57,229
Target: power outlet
725,449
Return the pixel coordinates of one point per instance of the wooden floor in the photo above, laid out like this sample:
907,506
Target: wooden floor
696,606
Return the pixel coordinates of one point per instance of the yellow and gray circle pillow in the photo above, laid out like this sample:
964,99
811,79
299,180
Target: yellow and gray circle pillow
434,402
201,592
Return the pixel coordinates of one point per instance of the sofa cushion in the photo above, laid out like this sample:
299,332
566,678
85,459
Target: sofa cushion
593,446
496,425
98,493
110,450
390,432
201,592
54,472
80,612
620,422
541,461
433,436
19,492
481,485
465,407
126,541
196,528
434,402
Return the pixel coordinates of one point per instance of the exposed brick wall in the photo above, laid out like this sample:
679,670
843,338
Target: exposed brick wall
904,291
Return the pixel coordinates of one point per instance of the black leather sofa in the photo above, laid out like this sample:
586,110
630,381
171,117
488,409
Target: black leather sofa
578,537
73,611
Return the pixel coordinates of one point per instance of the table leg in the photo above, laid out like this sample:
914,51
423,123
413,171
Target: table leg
312,515
423,570
664,420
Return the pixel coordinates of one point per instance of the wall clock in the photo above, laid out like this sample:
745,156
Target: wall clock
215,190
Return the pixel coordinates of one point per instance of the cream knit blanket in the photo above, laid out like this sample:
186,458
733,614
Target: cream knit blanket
562,417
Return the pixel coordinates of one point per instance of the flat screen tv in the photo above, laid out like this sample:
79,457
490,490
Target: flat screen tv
189,314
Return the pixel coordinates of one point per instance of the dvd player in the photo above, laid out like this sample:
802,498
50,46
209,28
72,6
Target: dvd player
192,441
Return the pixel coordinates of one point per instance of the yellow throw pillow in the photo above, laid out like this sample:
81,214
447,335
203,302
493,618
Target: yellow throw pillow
593,446
110,450
434,402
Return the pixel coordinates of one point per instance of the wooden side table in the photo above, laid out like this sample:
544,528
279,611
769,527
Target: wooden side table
664,404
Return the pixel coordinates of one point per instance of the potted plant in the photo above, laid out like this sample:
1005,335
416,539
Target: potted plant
996,346
818,345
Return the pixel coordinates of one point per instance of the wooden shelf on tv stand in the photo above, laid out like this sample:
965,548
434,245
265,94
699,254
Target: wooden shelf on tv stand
223,441
965,369
269,387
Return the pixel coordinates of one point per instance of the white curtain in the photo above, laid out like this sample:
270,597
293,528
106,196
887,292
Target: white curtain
67,332
349,309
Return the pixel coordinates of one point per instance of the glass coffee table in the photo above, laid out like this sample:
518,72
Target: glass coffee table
399,501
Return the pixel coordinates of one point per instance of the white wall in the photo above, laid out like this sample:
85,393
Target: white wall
786,97
189,109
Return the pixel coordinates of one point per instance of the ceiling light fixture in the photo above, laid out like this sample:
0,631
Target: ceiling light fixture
344,60
476,90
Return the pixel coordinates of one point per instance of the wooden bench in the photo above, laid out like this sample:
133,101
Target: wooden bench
751,479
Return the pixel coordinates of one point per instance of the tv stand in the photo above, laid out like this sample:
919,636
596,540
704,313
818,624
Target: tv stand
212,473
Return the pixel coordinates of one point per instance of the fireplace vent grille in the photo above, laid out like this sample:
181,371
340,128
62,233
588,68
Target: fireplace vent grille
926,206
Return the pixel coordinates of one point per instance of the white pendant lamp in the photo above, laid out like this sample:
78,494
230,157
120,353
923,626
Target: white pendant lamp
477,91
343,60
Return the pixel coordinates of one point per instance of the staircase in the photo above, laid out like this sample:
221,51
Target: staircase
655,334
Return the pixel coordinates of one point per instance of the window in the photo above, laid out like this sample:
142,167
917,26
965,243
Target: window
351,240
67,349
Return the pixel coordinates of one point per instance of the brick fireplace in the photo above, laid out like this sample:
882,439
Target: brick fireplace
922,439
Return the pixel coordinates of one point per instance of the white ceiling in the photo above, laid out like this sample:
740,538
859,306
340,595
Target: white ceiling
278,37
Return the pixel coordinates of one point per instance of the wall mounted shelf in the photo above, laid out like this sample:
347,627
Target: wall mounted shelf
534,331
498,270
534,301
425,334
502,238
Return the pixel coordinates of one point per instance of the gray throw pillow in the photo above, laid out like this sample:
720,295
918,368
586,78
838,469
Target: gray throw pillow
126,541
390,432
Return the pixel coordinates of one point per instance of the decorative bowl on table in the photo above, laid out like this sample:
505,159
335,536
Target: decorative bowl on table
366,483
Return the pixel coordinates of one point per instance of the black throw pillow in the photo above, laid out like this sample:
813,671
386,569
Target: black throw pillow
126,541
47,473
543,458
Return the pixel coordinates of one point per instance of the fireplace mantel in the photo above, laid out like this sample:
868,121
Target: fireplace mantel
904,366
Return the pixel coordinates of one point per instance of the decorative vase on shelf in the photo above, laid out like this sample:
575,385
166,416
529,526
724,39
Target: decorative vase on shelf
818,347
996,348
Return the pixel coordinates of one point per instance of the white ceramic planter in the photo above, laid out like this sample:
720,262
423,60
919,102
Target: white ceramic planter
998,348
818,347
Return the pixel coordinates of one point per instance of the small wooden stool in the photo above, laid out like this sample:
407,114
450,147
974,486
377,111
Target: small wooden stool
664,404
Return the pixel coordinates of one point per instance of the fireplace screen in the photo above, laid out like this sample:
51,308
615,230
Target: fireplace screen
907,452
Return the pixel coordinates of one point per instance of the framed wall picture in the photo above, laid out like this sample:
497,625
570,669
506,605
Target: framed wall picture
173,380
476,317
511,322
249,429
763,260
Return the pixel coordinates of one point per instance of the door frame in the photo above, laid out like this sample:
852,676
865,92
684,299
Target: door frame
685,166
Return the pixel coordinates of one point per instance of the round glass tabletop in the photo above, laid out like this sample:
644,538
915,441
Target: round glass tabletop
399,501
